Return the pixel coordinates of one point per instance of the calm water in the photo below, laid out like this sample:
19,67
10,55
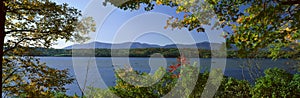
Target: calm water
105,68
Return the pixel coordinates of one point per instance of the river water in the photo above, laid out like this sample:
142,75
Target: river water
234,67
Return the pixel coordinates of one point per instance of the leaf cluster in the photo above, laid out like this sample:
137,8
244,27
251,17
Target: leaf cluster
275,83
255,24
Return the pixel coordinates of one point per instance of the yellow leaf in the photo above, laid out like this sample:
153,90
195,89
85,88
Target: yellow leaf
158,2
239,20
288,29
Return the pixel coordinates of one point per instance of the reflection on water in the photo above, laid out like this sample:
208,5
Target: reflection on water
106,70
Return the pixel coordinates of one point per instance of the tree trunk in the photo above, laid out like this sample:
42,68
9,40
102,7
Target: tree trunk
2,36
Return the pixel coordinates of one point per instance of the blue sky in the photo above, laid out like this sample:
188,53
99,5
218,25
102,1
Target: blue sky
116,26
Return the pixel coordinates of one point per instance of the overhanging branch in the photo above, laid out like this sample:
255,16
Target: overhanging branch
15,46
8,32
290,2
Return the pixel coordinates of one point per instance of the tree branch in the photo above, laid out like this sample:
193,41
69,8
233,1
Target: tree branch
7,32
12,73
15,46
290,2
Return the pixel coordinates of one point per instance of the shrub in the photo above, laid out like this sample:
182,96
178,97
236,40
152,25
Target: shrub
97,93
233,88
277,83
124,89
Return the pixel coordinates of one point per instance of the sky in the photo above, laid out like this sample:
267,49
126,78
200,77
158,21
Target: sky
117,26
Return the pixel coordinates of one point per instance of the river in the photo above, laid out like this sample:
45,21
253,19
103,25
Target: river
105,67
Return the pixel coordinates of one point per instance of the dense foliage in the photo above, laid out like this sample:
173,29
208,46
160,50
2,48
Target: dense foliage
26,76
254,24
35,23
276,83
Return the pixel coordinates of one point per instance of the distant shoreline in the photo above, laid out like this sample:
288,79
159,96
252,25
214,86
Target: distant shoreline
143,52
158,57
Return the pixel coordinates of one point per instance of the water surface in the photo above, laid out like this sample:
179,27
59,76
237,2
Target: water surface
106,70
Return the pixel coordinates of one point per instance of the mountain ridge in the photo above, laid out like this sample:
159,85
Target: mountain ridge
137,45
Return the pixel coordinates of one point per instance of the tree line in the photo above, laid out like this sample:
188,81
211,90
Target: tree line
147,52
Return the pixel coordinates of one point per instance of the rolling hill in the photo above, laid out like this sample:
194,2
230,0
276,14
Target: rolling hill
137,45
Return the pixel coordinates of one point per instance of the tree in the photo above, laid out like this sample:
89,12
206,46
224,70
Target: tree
35,23
273,24
256,24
